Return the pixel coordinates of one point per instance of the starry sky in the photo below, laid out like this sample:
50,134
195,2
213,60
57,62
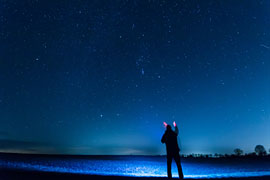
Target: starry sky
100,77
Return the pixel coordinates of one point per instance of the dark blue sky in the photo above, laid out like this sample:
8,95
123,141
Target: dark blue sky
100,77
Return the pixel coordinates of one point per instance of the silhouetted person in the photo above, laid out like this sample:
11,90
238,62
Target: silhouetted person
170,139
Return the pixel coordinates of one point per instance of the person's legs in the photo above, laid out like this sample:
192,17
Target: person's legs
179,167
169,166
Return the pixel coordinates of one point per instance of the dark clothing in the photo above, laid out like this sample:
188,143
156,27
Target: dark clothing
176,158
170,139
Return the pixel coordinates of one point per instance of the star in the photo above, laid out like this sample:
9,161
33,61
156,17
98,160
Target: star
142,71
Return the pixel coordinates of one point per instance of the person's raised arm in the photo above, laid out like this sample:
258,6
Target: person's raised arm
163,139
176,128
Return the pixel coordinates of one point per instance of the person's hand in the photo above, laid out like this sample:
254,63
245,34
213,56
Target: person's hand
174,124
165,124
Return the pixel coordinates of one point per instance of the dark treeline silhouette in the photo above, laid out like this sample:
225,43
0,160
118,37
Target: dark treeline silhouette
259,151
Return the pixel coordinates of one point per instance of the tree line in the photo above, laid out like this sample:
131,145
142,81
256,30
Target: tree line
259,150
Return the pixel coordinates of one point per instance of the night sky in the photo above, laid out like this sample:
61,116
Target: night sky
100,77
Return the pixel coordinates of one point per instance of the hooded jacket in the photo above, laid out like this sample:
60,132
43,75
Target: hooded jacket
170,139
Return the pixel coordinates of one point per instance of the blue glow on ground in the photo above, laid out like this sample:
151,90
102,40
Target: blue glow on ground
139,167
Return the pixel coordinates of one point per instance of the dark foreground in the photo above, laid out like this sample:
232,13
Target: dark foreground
31,175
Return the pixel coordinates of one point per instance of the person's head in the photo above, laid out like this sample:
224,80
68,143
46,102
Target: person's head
168,128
